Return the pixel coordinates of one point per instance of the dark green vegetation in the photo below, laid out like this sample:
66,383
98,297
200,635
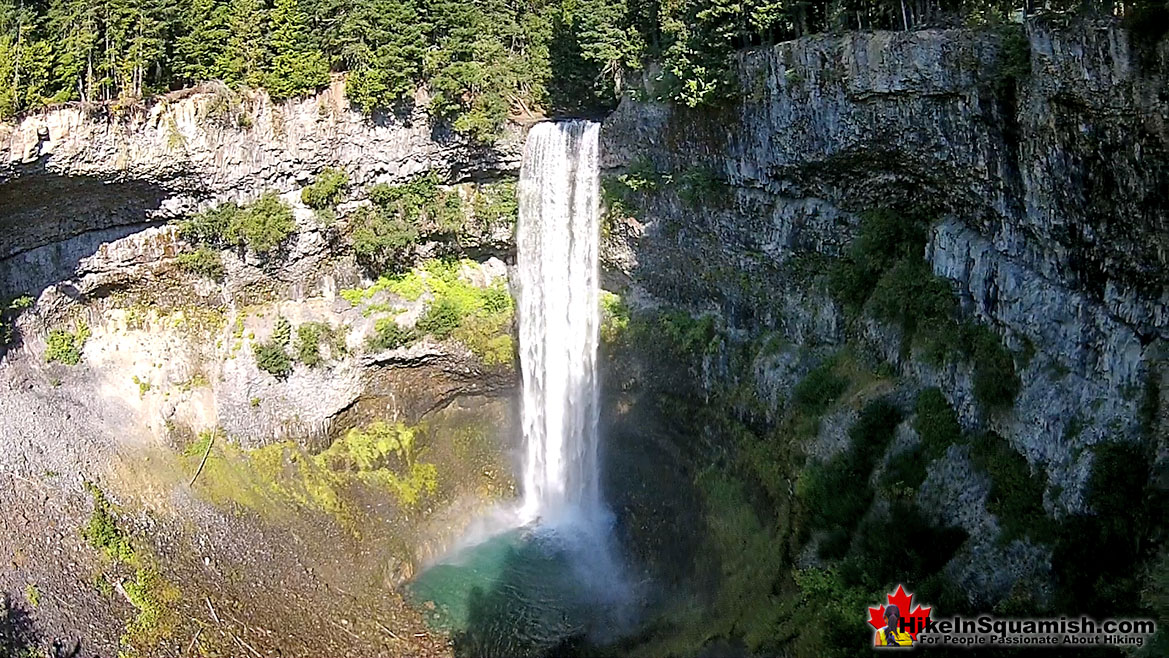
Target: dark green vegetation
884,273
262,227
480,60
766,505
327,190
272,355
386,232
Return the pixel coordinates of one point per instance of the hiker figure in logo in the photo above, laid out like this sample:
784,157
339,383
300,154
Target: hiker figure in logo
892,635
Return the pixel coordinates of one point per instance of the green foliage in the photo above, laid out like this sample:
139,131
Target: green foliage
385,233
835,494
936,423
819,389
32,594
204,261
308,343
389,335
995,381
262,226
1016,494
102,531
8,315
327,190
272,356
685,333
295,66
909,294
442,317
496,204
884,271
885,239
65,346
155,599
614,317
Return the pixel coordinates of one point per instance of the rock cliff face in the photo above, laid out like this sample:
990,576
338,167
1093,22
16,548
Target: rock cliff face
1054,220
165,356
1043,164
74,172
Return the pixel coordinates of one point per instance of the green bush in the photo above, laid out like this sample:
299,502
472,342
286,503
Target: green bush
263,226
327,190
65,346
381,240
282,332
209,227
308,343
204,261
102,531
936,423
884,239
389,335
687,334
273,359
910,295
819,389
1016,494
995,381
443,316
496,204
835,494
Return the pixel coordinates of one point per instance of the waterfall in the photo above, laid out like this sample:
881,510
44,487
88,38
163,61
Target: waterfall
559,318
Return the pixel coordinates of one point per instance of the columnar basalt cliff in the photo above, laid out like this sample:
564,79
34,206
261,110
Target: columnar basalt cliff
1037,168
936,261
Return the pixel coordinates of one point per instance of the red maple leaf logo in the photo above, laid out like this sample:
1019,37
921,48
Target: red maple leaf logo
913,620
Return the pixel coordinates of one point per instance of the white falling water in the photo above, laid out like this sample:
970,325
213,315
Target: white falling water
559,318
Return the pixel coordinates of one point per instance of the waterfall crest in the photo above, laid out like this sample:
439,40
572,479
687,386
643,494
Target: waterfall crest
559,318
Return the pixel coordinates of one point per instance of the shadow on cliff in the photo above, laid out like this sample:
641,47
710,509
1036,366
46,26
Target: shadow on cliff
50,223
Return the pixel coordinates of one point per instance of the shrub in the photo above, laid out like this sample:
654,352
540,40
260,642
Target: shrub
204,261
1016,495
995,381
614,317
819,389
308,343
263,226
835,494
65,346
273,359
911,295
209,227
380,240
326,191
389,335
102,531
282,331
687,334
496,204
884,239
936,423
441,319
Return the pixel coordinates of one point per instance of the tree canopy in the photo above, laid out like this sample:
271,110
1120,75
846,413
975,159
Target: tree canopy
475,61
